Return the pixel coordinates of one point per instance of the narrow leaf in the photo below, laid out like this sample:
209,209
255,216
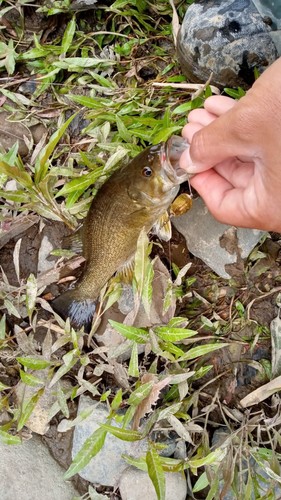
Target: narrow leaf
90,448
140,393
68,35
174,334
133,369
28,409
138,335
7,438
201,350
42,162
156,473
29,379
34,363
124,434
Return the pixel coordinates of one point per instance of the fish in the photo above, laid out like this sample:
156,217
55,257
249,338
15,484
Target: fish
134,198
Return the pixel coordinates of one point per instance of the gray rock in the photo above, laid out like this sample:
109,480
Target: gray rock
29,472
180,451
228,39
136,485
107,466
78,5
218,245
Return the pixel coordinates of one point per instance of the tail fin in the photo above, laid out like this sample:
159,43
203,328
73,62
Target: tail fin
79,311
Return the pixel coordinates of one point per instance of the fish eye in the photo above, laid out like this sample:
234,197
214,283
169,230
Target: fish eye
147,172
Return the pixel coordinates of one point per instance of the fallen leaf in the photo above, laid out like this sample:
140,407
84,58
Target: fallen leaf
262,393
146,404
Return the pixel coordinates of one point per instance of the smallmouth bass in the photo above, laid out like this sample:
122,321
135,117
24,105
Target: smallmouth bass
136,196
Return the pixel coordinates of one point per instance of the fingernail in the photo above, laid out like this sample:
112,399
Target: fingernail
186,163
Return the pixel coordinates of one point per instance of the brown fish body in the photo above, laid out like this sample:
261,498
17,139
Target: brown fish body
133,198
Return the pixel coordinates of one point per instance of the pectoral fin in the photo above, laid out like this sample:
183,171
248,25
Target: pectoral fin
73,241
162,227
126,272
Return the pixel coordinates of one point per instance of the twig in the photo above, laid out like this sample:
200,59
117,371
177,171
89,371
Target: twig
267,294
187,86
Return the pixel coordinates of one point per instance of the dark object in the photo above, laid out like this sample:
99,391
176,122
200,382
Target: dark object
229,39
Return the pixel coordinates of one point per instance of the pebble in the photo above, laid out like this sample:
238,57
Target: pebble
107,466
137,485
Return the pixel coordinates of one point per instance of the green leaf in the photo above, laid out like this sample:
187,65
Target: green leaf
17,174
90,449
3,387
29,379
81,183
173,334
123,131
140,394
201,350
117,400
124,434
68,36
133,369
156,473
170,410
62,401
18,196
3,327
114,159
148,288
7,438
88,102
165,133
74,63
139,463
182,108
65,368
138,335
201,483
28,408
34,363
42,162
215,456
142,261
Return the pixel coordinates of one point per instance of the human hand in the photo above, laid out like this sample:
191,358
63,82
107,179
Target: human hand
235,154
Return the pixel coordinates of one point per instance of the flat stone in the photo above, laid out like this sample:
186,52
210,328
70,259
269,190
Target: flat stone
218,245
107,466
29,472
137,485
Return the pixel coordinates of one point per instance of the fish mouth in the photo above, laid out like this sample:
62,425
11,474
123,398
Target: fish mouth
170,153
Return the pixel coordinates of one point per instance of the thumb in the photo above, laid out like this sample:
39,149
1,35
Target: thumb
226,137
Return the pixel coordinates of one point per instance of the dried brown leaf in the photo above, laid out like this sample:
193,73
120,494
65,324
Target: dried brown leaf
262,393
10,230
146,405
